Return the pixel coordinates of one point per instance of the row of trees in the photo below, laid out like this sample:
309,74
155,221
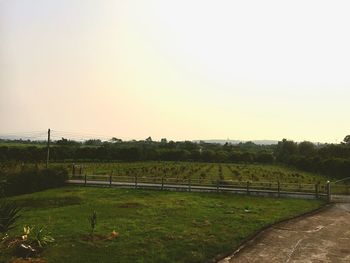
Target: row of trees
330,159
140,152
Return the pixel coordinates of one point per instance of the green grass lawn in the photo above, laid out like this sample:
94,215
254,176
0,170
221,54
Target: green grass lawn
153,226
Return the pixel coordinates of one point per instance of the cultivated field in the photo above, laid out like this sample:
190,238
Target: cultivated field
266,177
258,176
204,171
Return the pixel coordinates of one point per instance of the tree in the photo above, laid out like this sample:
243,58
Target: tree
114,140
306,148
285,149
93,142
66,142
347,139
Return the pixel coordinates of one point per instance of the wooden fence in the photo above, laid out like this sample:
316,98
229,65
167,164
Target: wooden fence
277,189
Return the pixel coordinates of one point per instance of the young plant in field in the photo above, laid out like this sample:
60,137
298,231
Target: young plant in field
93,222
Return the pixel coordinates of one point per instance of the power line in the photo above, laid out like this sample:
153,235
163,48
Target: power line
55,135
82,134
79,135
23,135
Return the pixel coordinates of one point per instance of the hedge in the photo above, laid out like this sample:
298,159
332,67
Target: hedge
33,180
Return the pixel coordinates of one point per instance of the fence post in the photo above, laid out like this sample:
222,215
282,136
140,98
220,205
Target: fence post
110,180
135,181
85,180
217,185
248,187
316,190
189,184
162,182
328,191
278,188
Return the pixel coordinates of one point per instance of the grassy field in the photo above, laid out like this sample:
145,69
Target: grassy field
153,226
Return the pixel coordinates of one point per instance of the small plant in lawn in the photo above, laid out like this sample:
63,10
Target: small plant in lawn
33,241
93,223
98,237
30,244
41,237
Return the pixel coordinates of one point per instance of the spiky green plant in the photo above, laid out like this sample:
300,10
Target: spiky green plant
41,237
9,213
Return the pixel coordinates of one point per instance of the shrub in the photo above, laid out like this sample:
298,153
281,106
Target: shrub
264,157
33,180
9,213
29,245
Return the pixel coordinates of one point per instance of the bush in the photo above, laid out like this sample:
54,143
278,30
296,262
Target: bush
9,213
264,158
33,180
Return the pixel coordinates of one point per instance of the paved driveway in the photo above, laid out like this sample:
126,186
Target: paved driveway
323,237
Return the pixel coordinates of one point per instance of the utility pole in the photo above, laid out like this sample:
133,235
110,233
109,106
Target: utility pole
48,148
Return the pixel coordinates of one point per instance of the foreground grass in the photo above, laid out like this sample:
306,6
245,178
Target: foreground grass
154,226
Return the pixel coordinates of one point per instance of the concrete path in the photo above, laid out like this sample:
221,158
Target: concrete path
323,237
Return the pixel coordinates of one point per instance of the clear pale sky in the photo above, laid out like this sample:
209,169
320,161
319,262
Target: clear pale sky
177,69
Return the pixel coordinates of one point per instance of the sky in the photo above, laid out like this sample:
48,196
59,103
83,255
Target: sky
180,69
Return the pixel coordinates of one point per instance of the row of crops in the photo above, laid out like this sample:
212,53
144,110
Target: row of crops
199,171
225,174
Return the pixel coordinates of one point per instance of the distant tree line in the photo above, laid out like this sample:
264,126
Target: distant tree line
116,149
329,159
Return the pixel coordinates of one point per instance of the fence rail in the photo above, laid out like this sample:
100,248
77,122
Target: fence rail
278,189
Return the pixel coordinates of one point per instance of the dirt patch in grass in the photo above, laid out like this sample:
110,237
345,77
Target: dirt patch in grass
180,202
49,203
69,190
94,238
98,237
29,260
129,205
